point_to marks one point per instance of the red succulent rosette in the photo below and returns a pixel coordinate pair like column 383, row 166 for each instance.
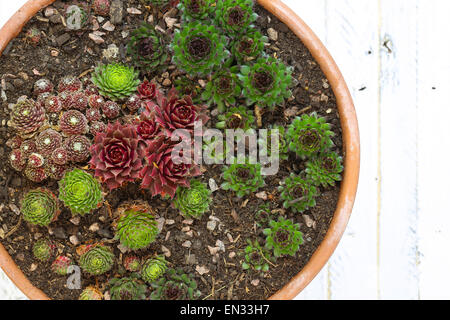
column 174, row 113
column 116, row 155
column 163, row 174
column 147, row 127
column 147, row 90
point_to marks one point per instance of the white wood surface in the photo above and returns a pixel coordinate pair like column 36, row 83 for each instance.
column 395, row 57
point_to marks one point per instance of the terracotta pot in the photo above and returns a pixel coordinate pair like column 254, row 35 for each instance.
column 350, row 134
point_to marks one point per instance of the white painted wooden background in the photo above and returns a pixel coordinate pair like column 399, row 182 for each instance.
column 395, row 56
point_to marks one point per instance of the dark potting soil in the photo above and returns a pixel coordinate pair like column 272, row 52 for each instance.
column 187, row 244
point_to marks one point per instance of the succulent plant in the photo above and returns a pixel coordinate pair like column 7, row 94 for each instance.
column 93, row 114
column 147, row 90
column 116, row 156
column 77, row 147
column 193, row 201
column 309, row 135
column 147, row 48
column 97, row 259
column 283, row 237
column 28, row 147
column 42, row 86
column 43, row 249
column 47, row 141
column 325, row 169
column 134, row 102
column 279, row 133
column 161, row 175
column 263, row 215
column 189, row 87
column 174, row 113
column 14, row 142
column 91, row 293
column 80, row 192
column 132, row 263
column 70, row 84
column 27, row 116
column 97, row 127
column 128, row 288
column 248, row 47
column 159, row 3
column 36, row 160
column 199, row 49
column 40, row 207
column 153, row 269
column 196, row 9
column 223, row 89
column 256, row 258
column 136, row 226
column 111, row 109
column 73, row 122
column 147, row 127
column 53, row 104
column 243, row 178
column 54, row 170
column 298, row 193
column 175, row 286
column 59, row 156
column 101, row 7
column 235, row 16
column 267, row 82
column 95, row 101
column 115, row 81
column 61, row 265
column 35, row 174
column 236, row 118
column 79, row 101
column 17, row 160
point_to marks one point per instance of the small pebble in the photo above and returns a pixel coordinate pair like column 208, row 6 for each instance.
column 108, row 26
column 232, row 255
column 262, row 195
column 273, row 34
column 33, row 267
column 220, row 245
column 255, row 282
column 213, row 185
column 94, row 227
column 97, row 39
column 170, row 221
column 213, row 250
column 74, row 240
column 187, row 244
column 134, row 11
column 166, row 82
column 201, row 270
column 211, row 225
column 122, row 248
column 161, row 222
column 75, row 220
column 166, row 251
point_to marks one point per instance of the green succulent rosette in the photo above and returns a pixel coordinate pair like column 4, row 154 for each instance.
column 325, row 169
column 97, row 260
column 248, row 47
column 193, row 201
column 115, row 81
column 43, row 249
column 153, row 269
column 189, row 87
column 40, row 207
column 223, row 89
column 278, row 132
column 256, row 258
column 127, row 288
column 309, row 135
column 159, row 3
column 298, row 193
column 263, row 215
column 215, row 150
column 283, row 237
column 195, row 10
column 147, row 48
column 199, row 49
column 91, row 293
column 235, row 16
column 267, row 82
column 236, row 118
column 136, row 229
column 80, row 192
column 176, row 285
column 243, row 178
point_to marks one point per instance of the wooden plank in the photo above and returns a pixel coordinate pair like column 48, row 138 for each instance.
column 398, row 271
column 352, row 35
column 433, row 144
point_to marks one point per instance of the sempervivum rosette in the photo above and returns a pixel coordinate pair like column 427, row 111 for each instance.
column 97, row 259
column 129, row 288
column 69, row 83
column 42, row 86
column 35, row 174
column 40, row 207
column 97, row 127
column 116, row 156
column 115, row 81
column 91, row 293
column 47, row 141
column 174, row 113
column 27, row 116
column 77, row 148
column 73, row 122
column 17, row 160
column 147, row 127
column 162, row 175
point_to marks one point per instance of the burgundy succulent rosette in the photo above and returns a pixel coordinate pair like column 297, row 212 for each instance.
column 174, row 113
column 161, row 174
column 147, row 127
column 116, row 155
column 147, row 90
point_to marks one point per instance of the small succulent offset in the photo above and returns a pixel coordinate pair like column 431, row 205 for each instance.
column 266, row 82
column 40, row 207
column 136, row 226
column 146, row 48
column 309, row 135
column 277, row 132
column 80, row 192
column 298, row 193
column 97, row 259
column 283, row 236
column 249, row 46
column 116, row 81
column 199, row 49
column 43, row 249
column 61, row 265
column 159, row 3
column 243, row 178
column 256, row 257
column 128, row 288
column 27, row 116
column 132, row 263
column 193, row 201
column 263, row 215
column 325, row 169
column 235, row 16
column 236, row 118
column 101, row 7
column 196, row 9
column 175, row 286
column 91, row 293
column 223, row 89
column 153, row 269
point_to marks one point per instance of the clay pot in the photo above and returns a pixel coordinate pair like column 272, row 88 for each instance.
column 350, row 135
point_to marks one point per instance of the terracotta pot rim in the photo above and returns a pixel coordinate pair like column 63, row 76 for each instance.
column 350, row 135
